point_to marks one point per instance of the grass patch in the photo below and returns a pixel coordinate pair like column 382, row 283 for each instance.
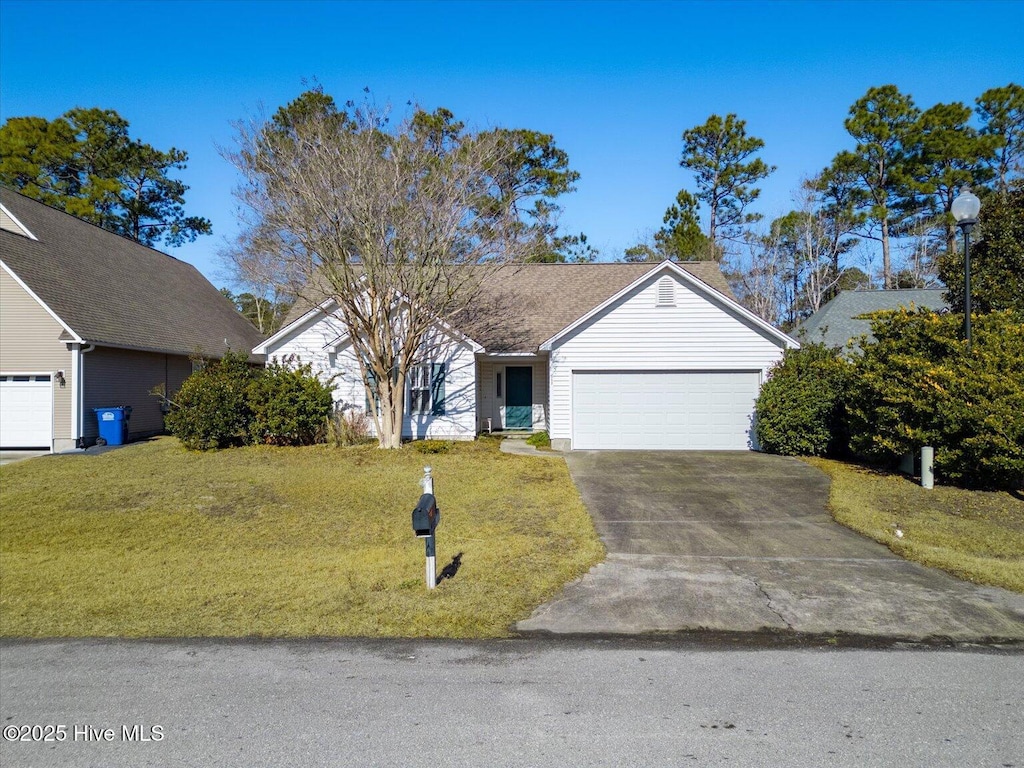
column 432, row 446
column 539, row 440
column 154, row 541
column 975, row 535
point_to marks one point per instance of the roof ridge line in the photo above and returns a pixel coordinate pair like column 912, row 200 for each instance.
column 93, row 224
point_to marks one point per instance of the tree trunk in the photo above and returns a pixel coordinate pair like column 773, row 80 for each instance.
column 393, row 436
column 392, row 406
column 260, row 324
column 886, row 262
column 711, row 229
column 796, row 288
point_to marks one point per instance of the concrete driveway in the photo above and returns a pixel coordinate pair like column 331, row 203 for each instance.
column 742, row 542
column 9, row 457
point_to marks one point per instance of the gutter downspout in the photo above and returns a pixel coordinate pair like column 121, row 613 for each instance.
column 78, row 395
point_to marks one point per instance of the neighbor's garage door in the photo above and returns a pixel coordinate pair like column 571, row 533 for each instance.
column 26, row 411
column 663, row 410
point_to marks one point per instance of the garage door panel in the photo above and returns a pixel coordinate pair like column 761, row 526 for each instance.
column 667, row 410
column 26, row 411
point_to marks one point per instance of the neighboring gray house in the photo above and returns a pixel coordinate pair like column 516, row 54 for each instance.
column 840, row 320
column 602, row 356
column 90, row 319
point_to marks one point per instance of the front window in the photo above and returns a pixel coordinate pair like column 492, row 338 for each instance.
column 419, row 389
column 426, row 389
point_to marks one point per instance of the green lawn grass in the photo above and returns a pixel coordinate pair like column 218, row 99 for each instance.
column 154, row 541
column 975, row 535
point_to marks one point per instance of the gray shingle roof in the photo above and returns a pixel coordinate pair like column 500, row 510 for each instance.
column 837, row 322
column 521, row 306
column 113, row 291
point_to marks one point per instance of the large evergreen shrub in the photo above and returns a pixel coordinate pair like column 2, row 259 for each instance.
column 997, row 258
column 230, row 402
column 800, row 411
column 917, row 385
column 289, row 406
column 211, row 410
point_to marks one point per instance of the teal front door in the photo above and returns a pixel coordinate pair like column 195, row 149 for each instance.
column 519, row 397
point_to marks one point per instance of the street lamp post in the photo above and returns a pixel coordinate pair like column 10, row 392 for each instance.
column 965, row 210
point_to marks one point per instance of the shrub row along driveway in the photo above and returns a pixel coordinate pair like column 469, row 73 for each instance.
column 743, row 542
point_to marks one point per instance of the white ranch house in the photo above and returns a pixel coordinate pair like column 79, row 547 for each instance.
column 601, row 356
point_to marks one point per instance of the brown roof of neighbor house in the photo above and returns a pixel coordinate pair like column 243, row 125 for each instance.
column 115, row 292
column 521, row 306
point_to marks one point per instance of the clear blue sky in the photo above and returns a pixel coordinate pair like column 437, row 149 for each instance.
column 615, row 83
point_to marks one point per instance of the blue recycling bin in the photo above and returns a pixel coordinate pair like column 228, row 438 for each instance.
column 113, row 423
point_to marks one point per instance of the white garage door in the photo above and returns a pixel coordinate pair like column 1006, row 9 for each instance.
column 663, row 410
column 26, row 411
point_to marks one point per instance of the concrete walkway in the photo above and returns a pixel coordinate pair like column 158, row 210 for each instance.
column 518, row 445
column 742, row 542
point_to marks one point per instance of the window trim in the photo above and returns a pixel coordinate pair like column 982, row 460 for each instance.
column 433, row 382
column 422, row 369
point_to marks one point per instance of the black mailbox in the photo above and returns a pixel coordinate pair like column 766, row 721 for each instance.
column 426, row 516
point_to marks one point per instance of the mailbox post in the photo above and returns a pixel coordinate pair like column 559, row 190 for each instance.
column 425, row 518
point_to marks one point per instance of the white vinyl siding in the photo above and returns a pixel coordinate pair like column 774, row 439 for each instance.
column 486, row 395
column 319, row 343
column 664, row 410
column 540, row 396
column 699, row 333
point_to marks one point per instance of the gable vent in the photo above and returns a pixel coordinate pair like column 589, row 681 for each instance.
column 666, row 292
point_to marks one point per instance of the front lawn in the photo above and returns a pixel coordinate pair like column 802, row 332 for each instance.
column 155, row 541
column 975, row 535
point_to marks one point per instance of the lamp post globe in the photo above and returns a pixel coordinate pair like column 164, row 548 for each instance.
column 965, row 209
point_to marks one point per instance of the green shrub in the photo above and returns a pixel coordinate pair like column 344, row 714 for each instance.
column 917, row 385
column 230, row 402
column 211, row 410
column 800, row 411
column 289, row 404
column 432, row 446
column 539, row 440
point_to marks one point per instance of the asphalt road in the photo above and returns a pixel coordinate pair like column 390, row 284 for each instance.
column 508, row 703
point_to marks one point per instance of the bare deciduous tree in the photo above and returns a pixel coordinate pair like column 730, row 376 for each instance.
column 759, row 284
column 921, row 245
column 390, row 228
column 264, row 303
column 824, row 229
column 796, row 266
